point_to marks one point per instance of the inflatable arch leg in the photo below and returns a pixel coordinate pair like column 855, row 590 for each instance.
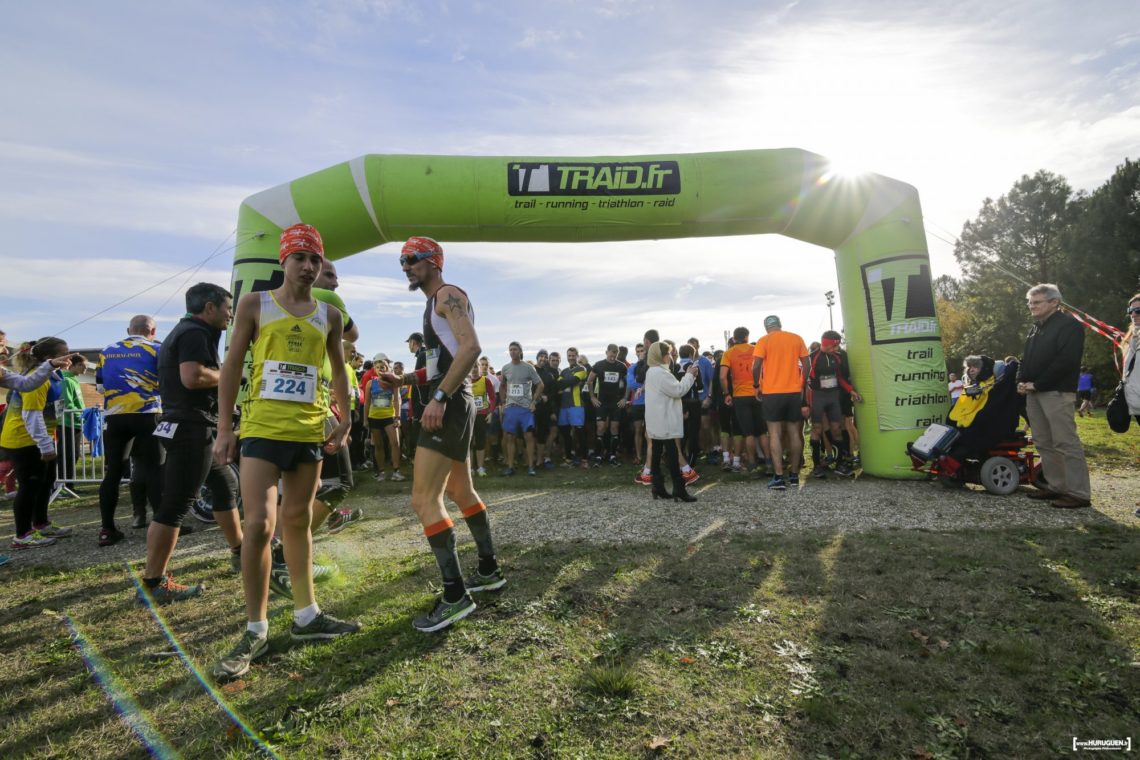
column 873, row 223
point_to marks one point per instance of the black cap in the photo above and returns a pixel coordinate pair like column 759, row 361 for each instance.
column 417, row 337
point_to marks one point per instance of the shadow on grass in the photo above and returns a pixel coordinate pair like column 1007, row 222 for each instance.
column 998, row 643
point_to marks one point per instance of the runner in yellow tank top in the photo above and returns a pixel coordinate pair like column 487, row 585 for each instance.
column 290, row 336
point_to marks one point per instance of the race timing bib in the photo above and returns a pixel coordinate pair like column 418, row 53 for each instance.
column 165, row 429
column 432, row 363
column 610, row 377
column 516, row 390
column 285, row 381
column 827, row 382
column 479, row 403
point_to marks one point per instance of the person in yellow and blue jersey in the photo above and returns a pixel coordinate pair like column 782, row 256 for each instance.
column 290, row 335
column 127, row 376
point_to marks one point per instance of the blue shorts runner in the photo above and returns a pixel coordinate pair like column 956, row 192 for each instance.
column 572, row 416
column 517, row 420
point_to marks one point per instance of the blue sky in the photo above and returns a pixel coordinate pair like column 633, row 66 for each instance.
column 131, row 132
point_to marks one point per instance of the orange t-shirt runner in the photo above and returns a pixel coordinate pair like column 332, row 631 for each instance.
column 738, row 359
column 781, row 352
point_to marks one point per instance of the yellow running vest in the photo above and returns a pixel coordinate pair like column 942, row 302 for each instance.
column 288, row 397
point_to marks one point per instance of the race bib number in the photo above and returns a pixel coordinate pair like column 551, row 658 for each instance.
column 382, row 401
column 479, row 403
column 516, row 390
column 285, row 381
column 432, row 363
column 59, row 406
column 165, row 429
column 827, row 382
column 610, row 377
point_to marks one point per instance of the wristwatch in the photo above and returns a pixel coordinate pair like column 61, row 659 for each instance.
column 440, row 396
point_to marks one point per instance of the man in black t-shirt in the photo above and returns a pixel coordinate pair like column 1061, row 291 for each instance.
column 188, row 372
column 609, row 400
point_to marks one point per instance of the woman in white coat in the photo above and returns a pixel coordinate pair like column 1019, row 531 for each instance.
column 664, row 419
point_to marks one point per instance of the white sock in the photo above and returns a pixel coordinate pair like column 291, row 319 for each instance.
column 736, row 461
column 261, row 628
column 687, row 468
column 645, row 471
column 306, row 615
column 727, row 456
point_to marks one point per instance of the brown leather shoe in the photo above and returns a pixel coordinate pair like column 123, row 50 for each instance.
column 1071, row 502
column 1042, row 494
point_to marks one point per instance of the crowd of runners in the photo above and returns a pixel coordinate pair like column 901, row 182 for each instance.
column 294, row 410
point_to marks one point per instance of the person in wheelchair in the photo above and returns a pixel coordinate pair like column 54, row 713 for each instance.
column 985, row 414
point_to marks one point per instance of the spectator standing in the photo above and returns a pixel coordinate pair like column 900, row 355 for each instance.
column 955, row 386
column 664, row 421
column 1047, row 377
column 29, row 436
column 128, row 378
column 1085, row 388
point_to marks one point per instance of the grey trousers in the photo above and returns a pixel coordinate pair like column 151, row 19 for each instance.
column 1051, row 415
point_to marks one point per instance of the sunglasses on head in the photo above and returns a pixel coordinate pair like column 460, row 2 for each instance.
column 412, row 258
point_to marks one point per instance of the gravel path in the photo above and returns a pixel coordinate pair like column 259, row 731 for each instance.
column 624, row 514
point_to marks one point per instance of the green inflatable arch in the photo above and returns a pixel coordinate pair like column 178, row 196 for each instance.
column 872, row 223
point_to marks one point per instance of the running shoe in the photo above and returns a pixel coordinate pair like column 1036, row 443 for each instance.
column 819, row 473
column 549, row 465
column 33, row 540
column 531, row 471
column 332, row 494
column 444, row 614
column 235, row 562
column 736, row 467
column 476, row 581
column 202, row 511
column 844, row 470
column 614, row 461
column 323, row 628
column 726, row 465
column 4, row 559
column 279, row 581
column 508, row 472
column 53, row 531
column 575, row 461
column 185, row 529
column 109, row 536
column 777, row 483
column 481, row 472
column 643, row 479
column 342, row 518
column 397, row 476
column 378, row 477
column 168, row 591
column 139, row 522
column 278, row 553
column 236, row 664
column 690, row 477
column 794, row 480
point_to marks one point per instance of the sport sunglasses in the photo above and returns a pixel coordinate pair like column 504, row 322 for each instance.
column 412, row 258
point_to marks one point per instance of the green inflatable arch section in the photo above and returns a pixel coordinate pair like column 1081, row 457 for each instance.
column 872, row 223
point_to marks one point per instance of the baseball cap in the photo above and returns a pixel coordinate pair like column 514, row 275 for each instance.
column 380, row 357
column 300, row 238
column 771, row 321
column 417, row 337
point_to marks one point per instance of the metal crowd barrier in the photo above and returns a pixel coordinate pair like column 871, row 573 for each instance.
column 79, row 460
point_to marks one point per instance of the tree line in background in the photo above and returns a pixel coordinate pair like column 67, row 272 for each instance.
column 1041, row 231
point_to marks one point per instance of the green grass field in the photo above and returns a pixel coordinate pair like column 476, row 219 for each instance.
column 890, row 643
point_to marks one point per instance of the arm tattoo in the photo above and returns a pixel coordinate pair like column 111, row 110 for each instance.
column 454, row 303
